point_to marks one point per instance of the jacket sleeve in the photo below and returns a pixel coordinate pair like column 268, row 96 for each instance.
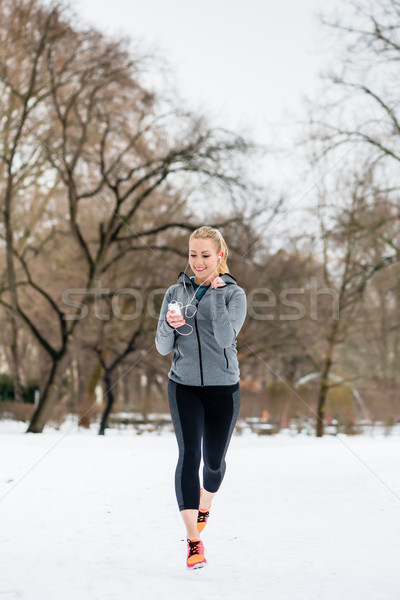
column 228, row 318
column 165, row 336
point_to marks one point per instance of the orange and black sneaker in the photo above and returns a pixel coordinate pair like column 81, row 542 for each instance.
column 202, row 517
column 195, row 558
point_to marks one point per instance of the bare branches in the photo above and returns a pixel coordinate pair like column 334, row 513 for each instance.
column 89, row 157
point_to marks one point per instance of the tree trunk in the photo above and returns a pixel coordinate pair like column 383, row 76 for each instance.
column 13, row 290
column 90, row 395
column 13, row 361
column 323, row 392
column 47, row 399
column 144, row 396
column 109, row 401
column 324, row 386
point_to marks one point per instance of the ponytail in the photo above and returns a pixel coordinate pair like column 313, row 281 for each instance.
column 223, row 267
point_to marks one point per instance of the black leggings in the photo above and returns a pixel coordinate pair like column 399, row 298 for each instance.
column 209, row 412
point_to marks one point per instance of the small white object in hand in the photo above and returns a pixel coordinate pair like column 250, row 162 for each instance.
column 174, row 308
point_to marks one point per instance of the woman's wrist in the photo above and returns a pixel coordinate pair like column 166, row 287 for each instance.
column 170, row 326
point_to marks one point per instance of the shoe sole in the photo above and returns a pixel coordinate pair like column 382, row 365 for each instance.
column 198, row 566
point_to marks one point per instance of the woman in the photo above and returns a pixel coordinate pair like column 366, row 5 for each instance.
column 203, row 386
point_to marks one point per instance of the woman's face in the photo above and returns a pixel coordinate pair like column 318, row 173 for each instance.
column 203, row 260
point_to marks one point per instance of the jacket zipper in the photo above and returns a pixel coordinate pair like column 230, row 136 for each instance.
column 198, row 338
column 198, row 341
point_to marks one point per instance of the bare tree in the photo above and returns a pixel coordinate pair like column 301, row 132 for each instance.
column 23, row 90
column 82, row 129
column 359, row 117
column 355, row 134
column 352, row 256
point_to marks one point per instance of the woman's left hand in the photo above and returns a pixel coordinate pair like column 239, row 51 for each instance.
column 217, row 282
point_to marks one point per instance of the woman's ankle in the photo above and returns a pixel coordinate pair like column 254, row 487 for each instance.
column 206, row 499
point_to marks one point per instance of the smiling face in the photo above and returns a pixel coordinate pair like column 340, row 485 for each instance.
column 203, row 260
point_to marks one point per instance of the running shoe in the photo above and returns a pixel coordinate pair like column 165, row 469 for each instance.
column 195, row 557
column 202, row 517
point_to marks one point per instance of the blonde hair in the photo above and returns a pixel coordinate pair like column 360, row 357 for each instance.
column 206, row 232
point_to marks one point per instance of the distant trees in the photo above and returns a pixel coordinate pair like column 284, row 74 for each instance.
column 96, row 173
column 361, row 109
column 353, row 228
column 102, row 179
column 359, row 121
column 350, row 232
column 355, row 135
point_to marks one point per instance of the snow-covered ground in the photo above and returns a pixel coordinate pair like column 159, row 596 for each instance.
column 85, row 517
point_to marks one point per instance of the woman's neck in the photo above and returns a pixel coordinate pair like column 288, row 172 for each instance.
column 202, row 283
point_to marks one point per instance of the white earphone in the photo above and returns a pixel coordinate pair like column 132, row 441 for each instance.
column 177, row 307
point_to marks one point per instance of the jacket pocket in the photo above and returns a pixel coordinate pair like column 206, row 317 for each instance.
column 226, row 358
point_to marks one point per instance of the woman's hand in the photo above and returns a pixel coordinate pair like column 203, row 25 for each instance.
column 174, row 320
column 217, row 282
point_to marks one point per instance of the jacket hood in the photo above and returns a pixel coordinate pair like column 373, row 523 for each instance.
column 226, row 278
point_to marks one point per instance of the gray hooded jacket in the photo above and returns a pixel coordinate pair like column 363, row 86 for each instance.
column 207, row 356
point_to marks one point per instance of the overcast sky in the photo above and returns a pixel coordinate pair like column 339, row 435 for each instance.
column 247, row 62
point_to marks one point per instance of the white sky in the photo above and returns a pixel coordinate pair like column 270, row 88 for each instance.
column 247, row 62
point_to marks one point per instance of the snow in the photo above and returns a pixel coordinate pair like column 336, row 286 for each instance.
column 95, row 517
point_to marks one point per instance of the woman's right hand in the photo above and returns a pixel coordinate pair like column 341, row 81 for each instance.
column 174, row 320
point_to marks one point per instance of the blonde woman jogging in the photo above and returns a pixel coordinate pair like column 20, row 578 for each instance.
column 200, row 319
